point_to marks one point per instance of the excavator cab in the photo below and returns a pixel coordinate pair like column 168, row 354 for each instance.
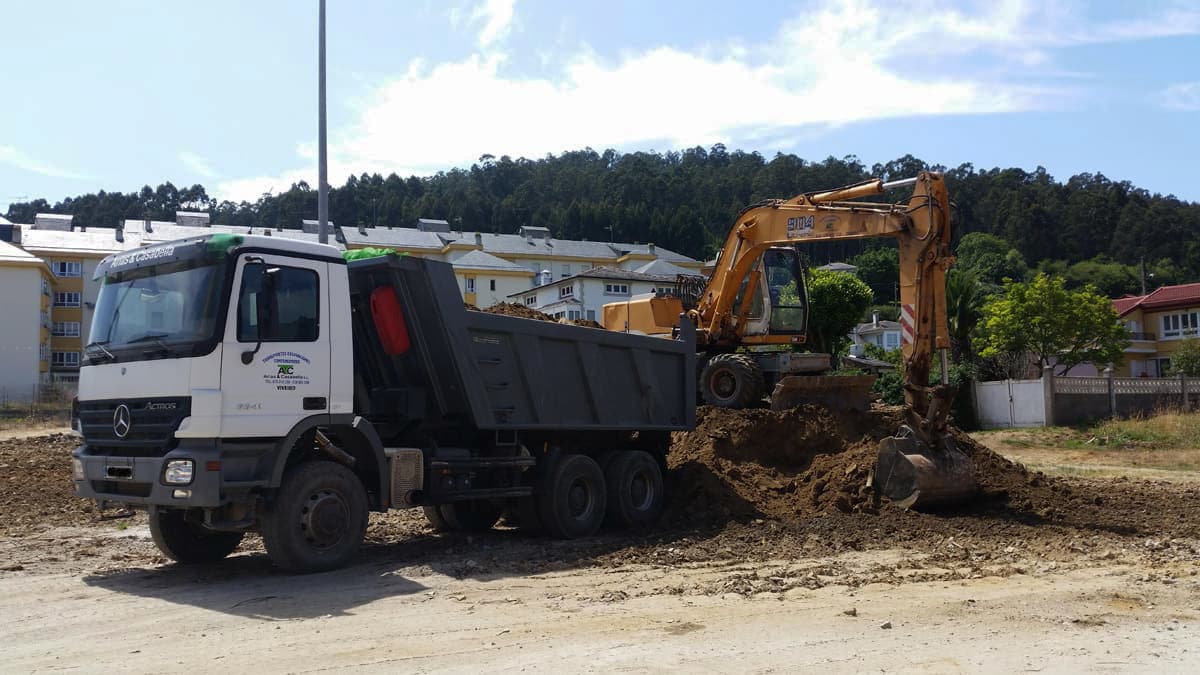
column 779, row 301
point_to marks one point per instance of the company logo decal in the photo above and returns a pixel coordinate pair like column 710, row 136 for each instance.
column 799, row 226
column 285, row 370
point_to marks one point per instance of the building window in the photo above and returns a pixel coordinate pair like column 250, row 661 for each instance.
column 891, row 341
column 470, row 284
column 67, row 268
column 566, row 271
column 591, row 315
column 45, row 286
column 573, row 314
column 66, row 299
column 530, row 300
column 1185, row 324
column 64, row 359
column 566, row 291
column 665, row 290
column 65, row 329
column 492, row 284
column 616, row 289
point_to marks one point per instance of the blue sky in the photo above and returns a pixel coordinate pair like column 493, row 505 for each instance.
column 120, row 94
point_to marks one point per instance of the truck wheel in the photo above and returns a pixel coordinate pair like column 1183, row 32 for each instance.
column 187, row 543
column 436, row 520
column 732, row 381
column 318, row 518
column 635, row 489
column 572, row 505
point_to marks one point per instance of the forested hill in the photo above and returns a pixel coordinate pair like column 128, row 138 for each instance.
column 687, row 200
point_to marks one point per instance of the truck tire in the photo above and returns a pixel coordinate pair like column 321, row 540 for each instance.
column 635, row 489
column 317, row 520
column 187, row 543
column 573, row 502
column 436, row 520
column 732, row 381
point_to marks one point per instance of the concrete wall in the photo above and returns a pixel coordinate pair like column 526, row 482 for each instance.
column 20, row 332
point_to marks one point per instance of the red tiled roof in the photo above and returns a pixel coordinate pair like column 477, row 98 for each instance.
column 1162, row 298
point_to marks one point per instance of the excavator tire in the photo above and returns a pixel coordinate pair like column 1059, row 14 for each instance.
column 732, row 381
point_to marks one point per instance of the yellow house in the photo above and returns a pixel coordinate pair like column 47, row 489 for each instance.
column 25, row 331
column 1158, row 322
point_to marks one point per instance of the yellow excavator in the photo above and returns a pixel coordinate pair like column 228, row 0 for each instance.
column 755, row 301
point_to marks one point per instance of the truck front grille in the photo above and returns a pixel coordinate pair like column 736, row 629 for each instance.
column 149, row 427
column 122, row 488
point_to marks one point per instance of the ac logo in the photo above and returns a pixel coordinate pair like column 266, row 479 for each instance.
column 285, row 369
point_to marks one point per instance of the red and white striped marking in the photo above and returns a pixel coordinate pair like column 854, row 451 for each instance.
column 906, row 324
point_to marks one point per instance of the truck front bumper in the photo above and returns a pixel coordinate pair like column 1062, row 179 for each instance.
column 141, row 480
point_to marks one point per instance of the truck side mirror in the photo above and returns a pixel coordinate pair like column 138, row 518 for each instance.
column 262, row 304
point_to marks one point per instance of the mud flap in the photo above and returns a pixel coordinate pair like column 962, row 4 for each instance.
column 915, row 476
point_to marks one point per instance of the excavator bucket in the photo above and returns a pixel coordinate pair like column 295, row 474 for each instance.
column 851, row 392
column 919, row 475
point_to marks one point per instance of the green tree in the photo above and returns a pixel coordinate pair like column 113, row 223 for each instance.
column 836, row 301
column 1186, row 359
column 1056, row 325
column 965, row 299
column 880, row 268
column 991, row 258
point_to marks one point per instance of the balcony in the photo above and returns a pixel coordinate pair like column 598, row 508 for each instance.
column 1144, row 337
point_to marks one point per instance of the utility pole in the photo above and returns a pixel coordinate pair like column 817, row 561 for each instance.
column 322, row 157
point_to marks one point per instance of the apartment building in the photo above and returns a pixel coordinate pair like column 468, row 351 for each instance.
column 25, row 331
column 584, row 295
column 541, row 257
column 1158, row 322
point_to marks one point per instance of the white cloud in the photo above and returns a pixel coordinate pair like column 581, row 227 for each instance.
column 1184, row 97
column 198, row 164
column 14, row 157
column 843, row 62
column 496, row 17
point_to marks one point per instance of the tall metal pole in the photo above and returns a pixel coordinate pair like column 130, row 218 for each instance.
column 322, row 156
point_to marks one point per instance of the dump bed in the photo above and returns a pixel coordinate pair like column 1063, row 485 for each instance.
column 498, row 372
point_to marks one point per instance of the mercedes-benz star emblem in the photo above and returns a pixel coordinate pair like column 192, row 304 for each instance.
column 122, row 421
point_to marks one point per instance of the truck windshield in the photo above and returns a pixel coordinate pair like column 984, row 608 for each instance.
column 156, row 311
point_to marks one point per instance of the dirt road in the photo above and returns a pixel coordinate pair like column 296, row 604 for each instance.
column 399, row 613
column 771, row 565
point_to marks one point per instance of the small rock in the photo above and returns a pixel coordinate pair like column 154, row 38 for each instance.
column 851, row 612
column 886, row 625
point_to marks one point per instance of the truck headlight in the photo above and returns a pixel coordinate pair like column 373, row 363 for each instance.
column 77, row 469
column 179, row 472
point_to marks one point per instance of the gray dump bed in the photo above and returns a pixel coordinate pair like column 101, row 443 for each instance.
column 502, row 372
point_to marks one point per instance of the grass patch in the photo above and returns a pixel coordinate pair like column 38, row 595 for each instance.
column 1166, row 431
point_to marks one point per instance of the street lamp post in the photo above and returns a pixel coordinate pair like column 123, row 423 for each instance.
column 322, row 157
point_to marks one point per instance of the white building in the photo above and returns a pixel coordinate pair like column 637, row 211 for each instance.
column 25, row 331
column 583, row 295
column 486, row 280
column 882, row 334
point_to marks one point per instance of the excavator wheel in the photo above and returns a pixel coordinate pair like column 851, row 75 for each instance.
column 732, row 381
column 915, row 475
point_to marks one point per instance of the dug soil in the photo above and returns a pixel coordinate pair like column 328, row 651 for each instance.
column 744, row 485
column 513, row 309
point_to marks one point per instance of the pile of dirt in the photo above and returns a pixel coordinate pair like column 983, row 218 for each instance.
column 35, row 485
column 514, row 309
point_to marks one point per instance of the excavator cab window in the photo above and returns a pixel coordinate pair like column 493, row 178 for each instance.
column 785, row 286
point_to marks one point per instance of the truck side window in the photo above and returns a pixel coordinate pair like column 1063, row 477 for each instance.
column 294, row 306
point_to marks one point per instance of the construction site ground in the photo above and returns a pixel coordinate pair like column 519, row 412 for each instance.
column 772, row 556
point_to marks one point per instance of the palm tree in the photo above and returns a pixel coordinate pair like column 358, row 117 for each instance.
column 964, row 307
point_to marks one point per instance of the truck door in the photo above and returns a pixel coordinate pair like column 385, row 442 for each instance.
column 275, row 359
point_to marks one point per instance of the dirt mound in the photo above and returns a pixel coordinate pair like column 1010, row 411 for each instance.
column 795, row 464
column 513, row 309
column 35, row 485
